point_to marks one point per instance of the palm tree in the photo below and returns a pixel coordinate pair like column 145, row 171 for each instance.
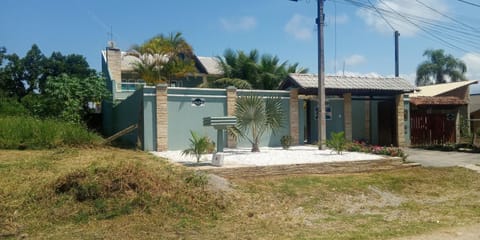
column 272, row 72
column 438, row 67
column 262, row 72
column 226, row 82
column 198, row 145
column 164, row 58
column 255, row 116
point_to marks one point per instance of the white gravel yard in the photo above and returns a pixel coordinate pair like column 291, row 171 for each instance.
column 242, row 157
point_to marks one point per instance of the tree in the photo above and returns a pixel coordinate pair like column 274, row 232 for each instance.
column 226, row 82
column 74, row 65
column 3, row 50
column 68, row 97
column 255, row 116
column 198, row 145
column 164, row 58
column 438, row 66
column 60, row 86
column 11, row 77
column 34, row 64
column 21, row 76
column 262, row 72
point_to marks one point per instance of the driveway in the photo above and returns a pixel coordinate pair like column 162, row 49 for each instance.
column 430, row 158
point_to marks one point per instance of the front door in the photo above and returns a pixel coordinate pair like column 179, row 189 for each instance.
column 386, row 123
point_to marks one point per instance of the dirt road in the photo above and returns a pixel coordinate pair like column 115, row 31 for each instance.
column 471, row 232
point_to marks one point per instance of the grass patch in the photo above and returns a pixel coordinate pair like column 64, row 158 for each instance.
column 67, row 193
column 51, row 193
column 22, row 132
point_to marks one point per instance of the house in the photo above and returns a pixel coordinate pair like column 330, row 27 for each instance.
column 440, row 113
column 119, row 69
column 475, row 112
column 371, row 109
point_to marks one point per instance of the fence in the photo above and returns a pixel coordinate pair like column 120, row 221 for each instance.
column 432, row 128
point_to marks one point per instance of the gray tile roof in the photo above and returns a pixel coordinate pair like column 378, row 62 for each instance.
column 211, row 65
column 353, row 83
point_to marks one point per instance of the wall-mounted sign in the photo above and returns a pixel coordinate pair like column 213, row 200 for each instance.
column 198, row 102
column 450, row 116
column 328, row 112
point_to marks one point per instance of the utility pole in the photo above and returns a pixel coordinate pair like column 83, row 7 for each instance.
column 397, row 74
column 322, row 135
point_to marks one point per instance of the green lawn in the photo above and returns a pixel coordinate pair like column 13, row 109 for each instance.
column 120, row 194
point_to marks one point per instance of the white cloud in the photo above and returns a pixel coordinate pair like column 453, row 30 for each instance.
column 299, row 27
column 406, row 8
column 472, row 60
column 355, row 60
column 342, row 19
column 245, row 23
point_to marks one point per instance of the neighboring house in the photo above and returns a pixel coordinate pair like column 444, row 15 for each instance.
column 371, row 109
column 440, row 113
column 475, row 112
column 208, row 68
column 122, row 80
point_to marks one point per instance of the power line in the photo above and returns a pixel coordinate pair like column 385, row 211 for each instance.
column 444, row 15
column 335, row 31
column 470, row 3
column 381, row 15
column 457, row 34
column 421, row 28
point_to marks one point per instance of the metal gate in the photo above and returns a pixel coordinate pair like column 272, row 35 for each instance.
column 431, row 129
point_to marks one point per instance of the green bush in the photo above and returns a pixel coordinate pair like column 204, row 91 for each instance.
column 337, row 142
column 11, row 107
column 198, row 145
column 27, row 132
column 286, row 141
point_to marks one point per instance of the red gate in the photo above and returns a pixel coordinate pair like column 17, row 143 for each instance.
column 432, row 129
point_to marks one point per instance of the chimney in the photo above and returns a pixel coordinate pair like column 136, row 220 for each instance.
column 114, row 62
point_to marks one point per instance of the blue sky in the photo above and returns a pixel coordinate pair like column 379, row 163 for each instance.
column 363, row 43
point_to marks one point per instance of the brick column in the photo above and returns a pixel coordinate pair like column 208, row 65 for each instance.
column 114, row 63
column 162, row 118
column 294, row 131
column 400, row 122
column 347, row 115
column 367, row 121
column 458, row 126
column 231, row 101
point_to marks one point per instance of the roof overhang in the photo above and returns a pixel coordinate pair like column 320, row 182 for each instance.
column 438, row 101
column 357, row 86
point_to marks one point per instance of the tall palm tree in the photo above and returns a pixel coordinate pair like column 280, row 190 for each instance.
column 438, row 66
column 262, row 72
column 164, row 58
column 255, row 116
column 226, row 82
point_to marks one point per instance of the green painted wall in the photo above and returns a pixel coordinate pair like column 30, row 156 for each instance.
column 301, row 120
column 358, row 120
column 139, row 108
column 374, row 122
column 183, row 117
column 313, row 122
column 127, row 113
column 149, row 129
column 336, row 122
column 268, row 138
